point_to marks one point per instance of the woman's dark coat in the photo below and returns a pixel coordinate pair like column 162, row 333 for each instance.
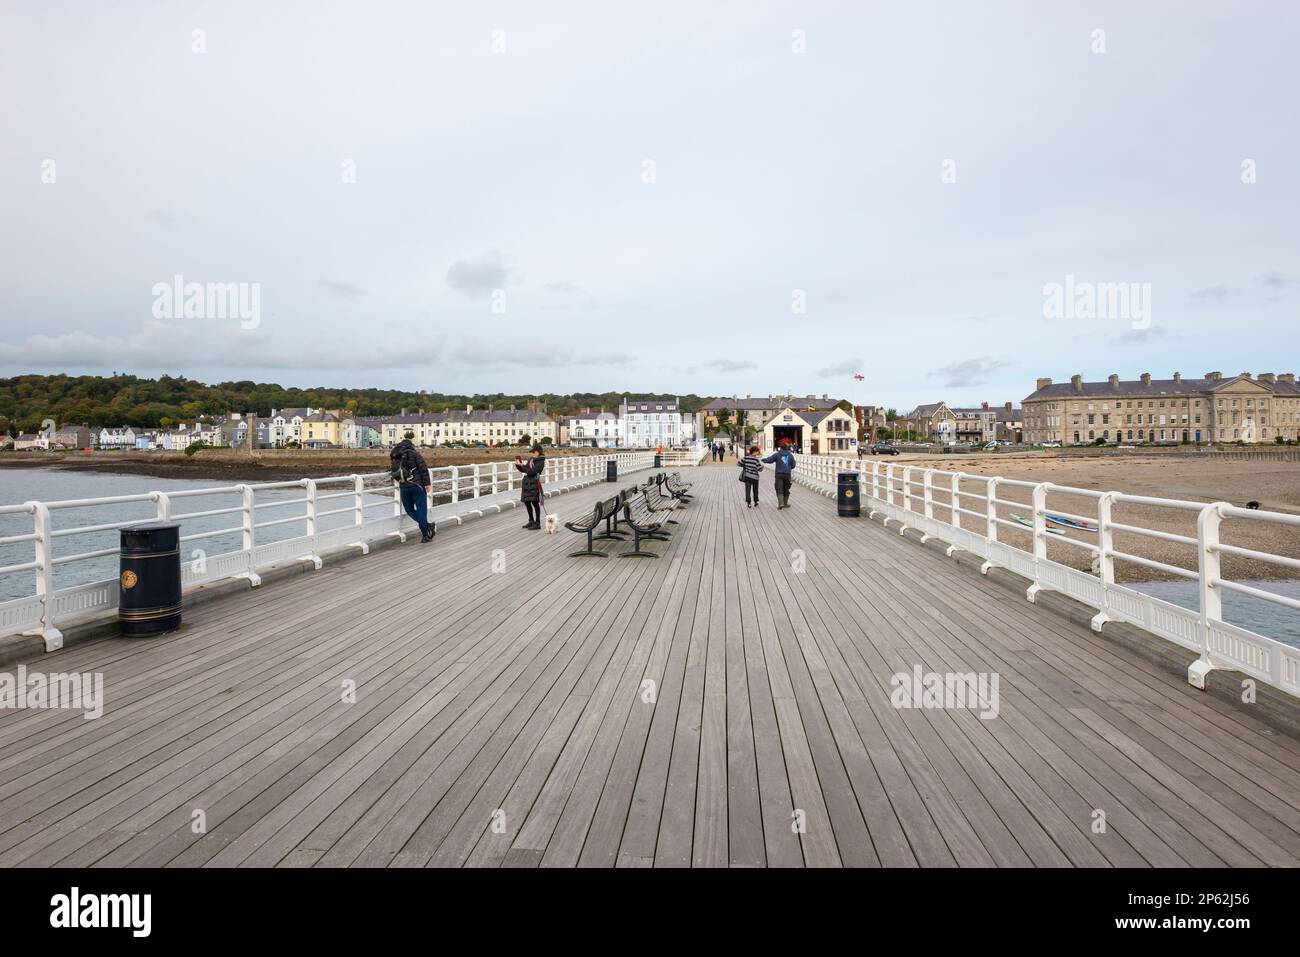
column 532, row 470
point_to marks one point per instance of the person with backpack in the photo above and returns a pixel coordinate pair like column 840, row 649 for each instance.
column 409, row 471
column 750, row 466
column 785, row 465
column 531, row 493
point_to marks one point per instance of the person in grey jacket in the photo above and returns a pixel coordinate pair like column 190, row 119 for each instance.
column 785, row 464
column 750, row 467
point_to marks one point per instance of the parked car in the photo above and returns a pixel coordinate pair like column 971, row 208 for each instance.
column 883, row 448
column 991, row 447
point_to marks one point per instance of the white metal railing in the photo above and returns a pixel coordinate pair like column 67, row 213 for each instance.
column 691, row 456
column 273, row 522
column 935, row 501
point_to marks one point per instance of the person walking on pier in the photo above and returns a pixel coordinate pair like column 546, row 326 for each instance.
column 411, row 473
column 785, row 464
column 531, row 494
column 750, row 467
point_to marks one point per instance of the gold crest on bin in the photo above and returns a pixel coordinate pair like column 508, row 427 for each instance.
column 129, row 579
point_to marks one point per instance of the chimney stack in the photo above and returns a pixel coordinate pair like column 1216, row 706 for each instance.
column 984, row 406
column 1113, row 379
column 1287, row 377
column 1146, row 378
column 1267, row 377
column 1008, row 406
column 1214, row 376
column 1042, row 384
column 1076, row 380
column 469, row 409
column 1178, row 377
column 1245, row 375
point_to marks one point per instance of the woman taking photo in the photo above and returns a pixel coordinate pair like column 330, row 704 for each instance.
column 531, row 495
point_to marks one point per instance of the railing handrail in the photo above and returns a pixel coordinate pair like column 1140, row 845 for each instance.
column 456, row 492
column 1219, row 644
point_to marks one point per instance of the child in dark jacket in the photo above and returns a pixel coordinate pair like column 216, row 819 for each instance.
column 750, row 466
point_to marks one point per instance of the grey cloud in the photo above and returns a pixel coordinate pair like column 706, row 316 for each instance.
column 968, row 371
column 1216, row 293
column 1142, row 335
column 341, row 290
column 847, row 367
column 530, row 355
column 1274, row 280
column 479, row 276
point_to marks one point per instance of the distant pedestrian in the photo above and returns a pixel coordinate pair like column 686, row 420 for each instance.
column 785, row 465
column 531, row 494
column 750, row 466
column 409, row 471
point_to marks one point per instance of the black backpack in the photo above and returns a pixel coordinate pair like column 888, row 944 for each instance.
column 401, row 466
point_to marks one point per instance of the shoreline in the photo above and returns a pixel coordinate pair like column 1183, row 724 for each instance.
column 264, row 465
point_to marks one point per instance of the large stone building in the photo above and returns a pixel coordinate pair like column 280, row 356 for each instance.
column 1209, row 409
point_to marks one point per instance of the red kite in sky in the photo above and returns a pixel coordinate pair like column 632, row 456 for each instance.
column 858, row 377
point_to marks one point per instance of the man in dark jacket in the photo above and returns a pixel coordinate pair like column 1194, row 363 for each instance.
column 412, row 476
column 785, row 465
column 531, row 492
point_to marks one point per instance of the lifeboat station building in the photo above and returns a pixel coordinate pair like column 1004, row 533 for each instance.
column 813, row 433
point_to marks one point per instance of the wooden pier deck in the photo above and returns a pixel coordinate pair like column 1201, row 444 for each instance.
column 507, row 718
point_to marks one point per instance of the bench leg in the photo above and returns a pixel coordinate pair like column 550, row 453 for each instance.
column 636, row 549
column 591, row 548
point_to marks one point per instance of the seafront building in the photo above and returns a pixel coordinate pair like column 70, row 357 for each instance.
column 651, row 423
column 594, row 429
column 757, row 411
column 1241, row 408
column 473, row 426
column 817, row 433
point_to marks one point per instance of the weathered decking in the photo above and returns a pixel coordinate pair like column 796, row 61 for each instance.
column 526, row 691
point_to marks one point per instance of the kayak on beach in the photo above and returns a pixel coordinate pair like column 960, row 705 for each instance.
column 1068, row 523
column 1029, row 524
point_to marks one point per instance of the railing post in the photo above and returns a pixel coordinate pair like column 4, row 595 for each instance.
column 45, row 575
column 311, row 556
column 889, row 483
column 164, row 503
column 455, row 484
column 476, row 480
column 927, row 489
column 1105, row 558
column 907, row 488
column 358, row 501
column 1211, row 598
column 875, row 480
column 990, row 519
column 1038, row 544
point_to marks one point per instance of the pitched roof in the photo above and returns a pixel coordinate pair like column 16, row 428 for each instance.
column 764, row 402
column 1135, row 388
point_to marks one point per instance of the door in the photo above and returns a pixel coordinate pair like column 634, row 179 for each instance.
column 814, row 446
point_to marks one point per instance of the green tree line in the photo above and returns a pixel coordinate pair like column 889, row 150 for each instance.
column 28, row 400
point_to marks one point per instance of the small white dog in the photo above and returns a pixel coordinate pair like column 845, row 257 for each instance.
column 552, row 522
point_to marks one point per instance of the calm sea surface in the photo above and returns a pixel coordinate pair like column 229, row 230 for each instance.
column 49, row 485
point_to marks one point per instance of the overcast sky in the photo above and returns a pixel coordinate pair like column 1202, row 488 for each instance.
column 650, row 192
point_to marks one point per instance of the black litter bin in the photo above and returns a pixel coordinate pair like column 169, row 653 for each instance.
column 658, row 461
column 611, row 471
column 149, row 586
column 847, row 497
